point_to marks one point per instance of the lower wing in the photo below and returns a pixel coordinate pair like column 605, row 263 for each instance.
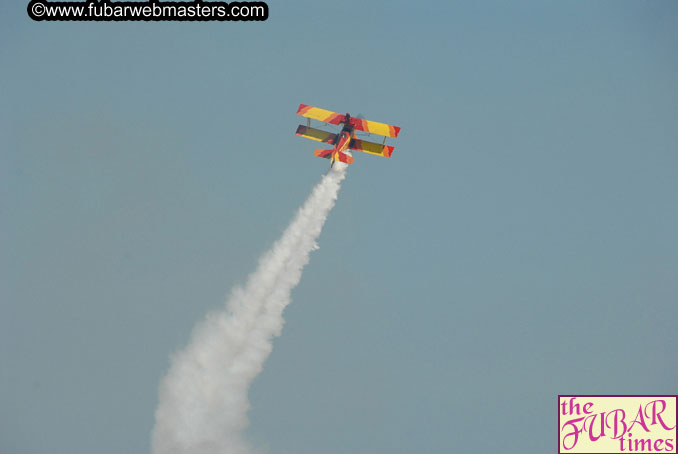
column 371, row 147
column 316, row 134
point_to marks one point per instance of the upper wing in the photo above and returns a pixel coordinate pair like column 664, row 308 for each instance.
column 316, row 134
column 319, row 114
column 371, row 147
column 378, row 128
column 334, row 118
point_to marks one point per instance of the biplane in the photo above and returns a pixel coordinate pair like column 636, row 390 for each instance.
column 346, row 139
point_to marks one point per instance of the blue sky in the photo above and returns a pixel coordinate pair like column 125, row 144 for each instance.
column 520, row 243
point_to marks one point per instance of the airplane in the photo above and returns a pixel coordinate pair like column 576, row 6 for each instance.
column 345, row 140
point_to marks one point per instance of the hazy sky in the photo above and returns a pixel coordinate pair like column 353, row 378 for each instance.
column 521, row 242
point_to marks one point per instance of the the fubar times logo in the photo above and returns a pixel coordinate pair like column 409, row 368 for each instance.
column 590, row 424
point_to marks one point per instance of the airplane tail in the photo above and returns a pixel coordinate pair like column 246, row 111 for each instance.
column 322, row 153
column 344, row 157
column 340, row 156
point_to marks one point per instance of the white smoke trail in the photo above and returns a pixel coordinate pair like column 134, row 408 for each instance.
column 203, row 398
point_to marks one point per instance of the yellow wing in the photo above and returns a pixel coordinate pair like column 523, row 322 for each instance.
column 319, row 114
column 371, row 148
column 378, row 128
column 316, row 134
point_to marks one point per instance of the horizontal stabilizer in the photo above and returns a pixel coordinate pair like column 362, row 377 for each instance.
column 371, row 148
column 321, row 153
column 344, row 157
column 316, row 134
column 319, row 114
column 340, row 156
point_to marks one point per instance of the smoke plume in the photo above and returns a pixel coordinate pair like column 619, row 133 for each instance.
column 203, row 398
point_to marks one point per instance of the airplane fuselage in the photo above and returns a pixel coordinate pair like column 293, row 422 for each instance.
column 342, row 143
column 343, row 140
